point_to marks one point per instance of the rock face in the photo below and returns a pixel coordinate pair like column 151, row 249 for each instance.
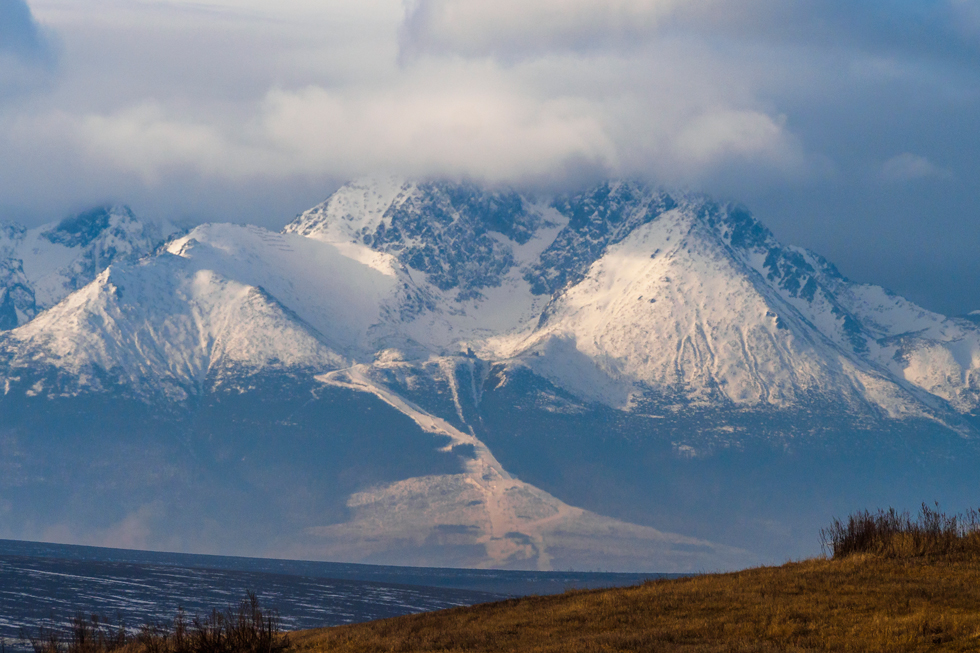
column 436, row 373
column 40, row 267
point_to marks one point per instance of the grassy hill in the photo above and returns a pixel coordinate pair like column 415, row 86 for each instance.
column 861, row 603
column 893, row 584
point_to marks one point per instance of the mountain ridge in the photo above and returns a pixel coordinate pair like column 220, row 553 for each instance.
column 39, row 267
column 669, row 339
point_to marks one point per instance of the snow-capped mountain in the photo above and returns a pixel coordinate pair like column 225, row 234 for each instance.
column 438, row 373
column 39, row 267
column 672, row 298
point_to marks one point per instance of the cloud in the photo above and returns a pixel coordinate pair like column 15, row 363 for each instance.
column 907, row 167
column 135, row 531
column 477, row 27
column 516, row 29
column 139, row 529
column 250, row 111
column 446, row 129
column 488, row 129
column 682, row 91
column 966, row 17
column 726, row 136
column 143, row 139
column 671, row 95
column 445, row 118
column 26, row 55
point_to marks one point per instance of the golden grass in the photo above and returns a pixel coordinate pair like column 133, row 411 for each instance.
column 858, row 603
column 895, row 534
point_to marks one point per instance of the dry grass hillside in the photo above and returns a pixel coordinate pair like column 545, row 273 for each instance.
column 892, row 584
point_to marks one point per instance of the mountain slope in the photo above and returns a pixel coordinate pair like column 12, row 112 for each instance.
column 484, row 517
column 572, row 379
column 735, row 315
column 672, row 316
column 40, row 267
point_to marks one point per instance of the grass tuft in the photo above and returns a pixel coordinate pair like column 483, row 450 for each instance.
column 894, row 534
column 246, row 629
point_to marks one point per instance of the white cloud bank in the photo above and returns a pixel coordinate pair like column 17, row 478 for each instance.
column 172, row 102
column 315, row 132
column 486, row 129
column 736, row 135
column 445, row 129
column 315, row 104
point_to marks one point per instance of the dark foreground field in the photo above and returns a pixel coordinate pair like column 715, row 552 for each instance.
column 860, row 603
column 892, row 584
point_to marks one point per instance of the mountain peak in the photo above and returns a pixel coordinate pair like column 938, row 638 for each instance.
column 81, row 229
column 622, row 341
column 660, row 294
column 41, row 266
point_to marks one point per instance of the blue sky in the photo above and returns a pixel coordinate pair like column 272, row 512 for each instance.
column 848, row 127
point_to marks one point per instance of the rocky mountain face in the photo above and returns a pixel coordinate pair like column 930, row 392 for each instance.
column 438, row 373
column 40, row 267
